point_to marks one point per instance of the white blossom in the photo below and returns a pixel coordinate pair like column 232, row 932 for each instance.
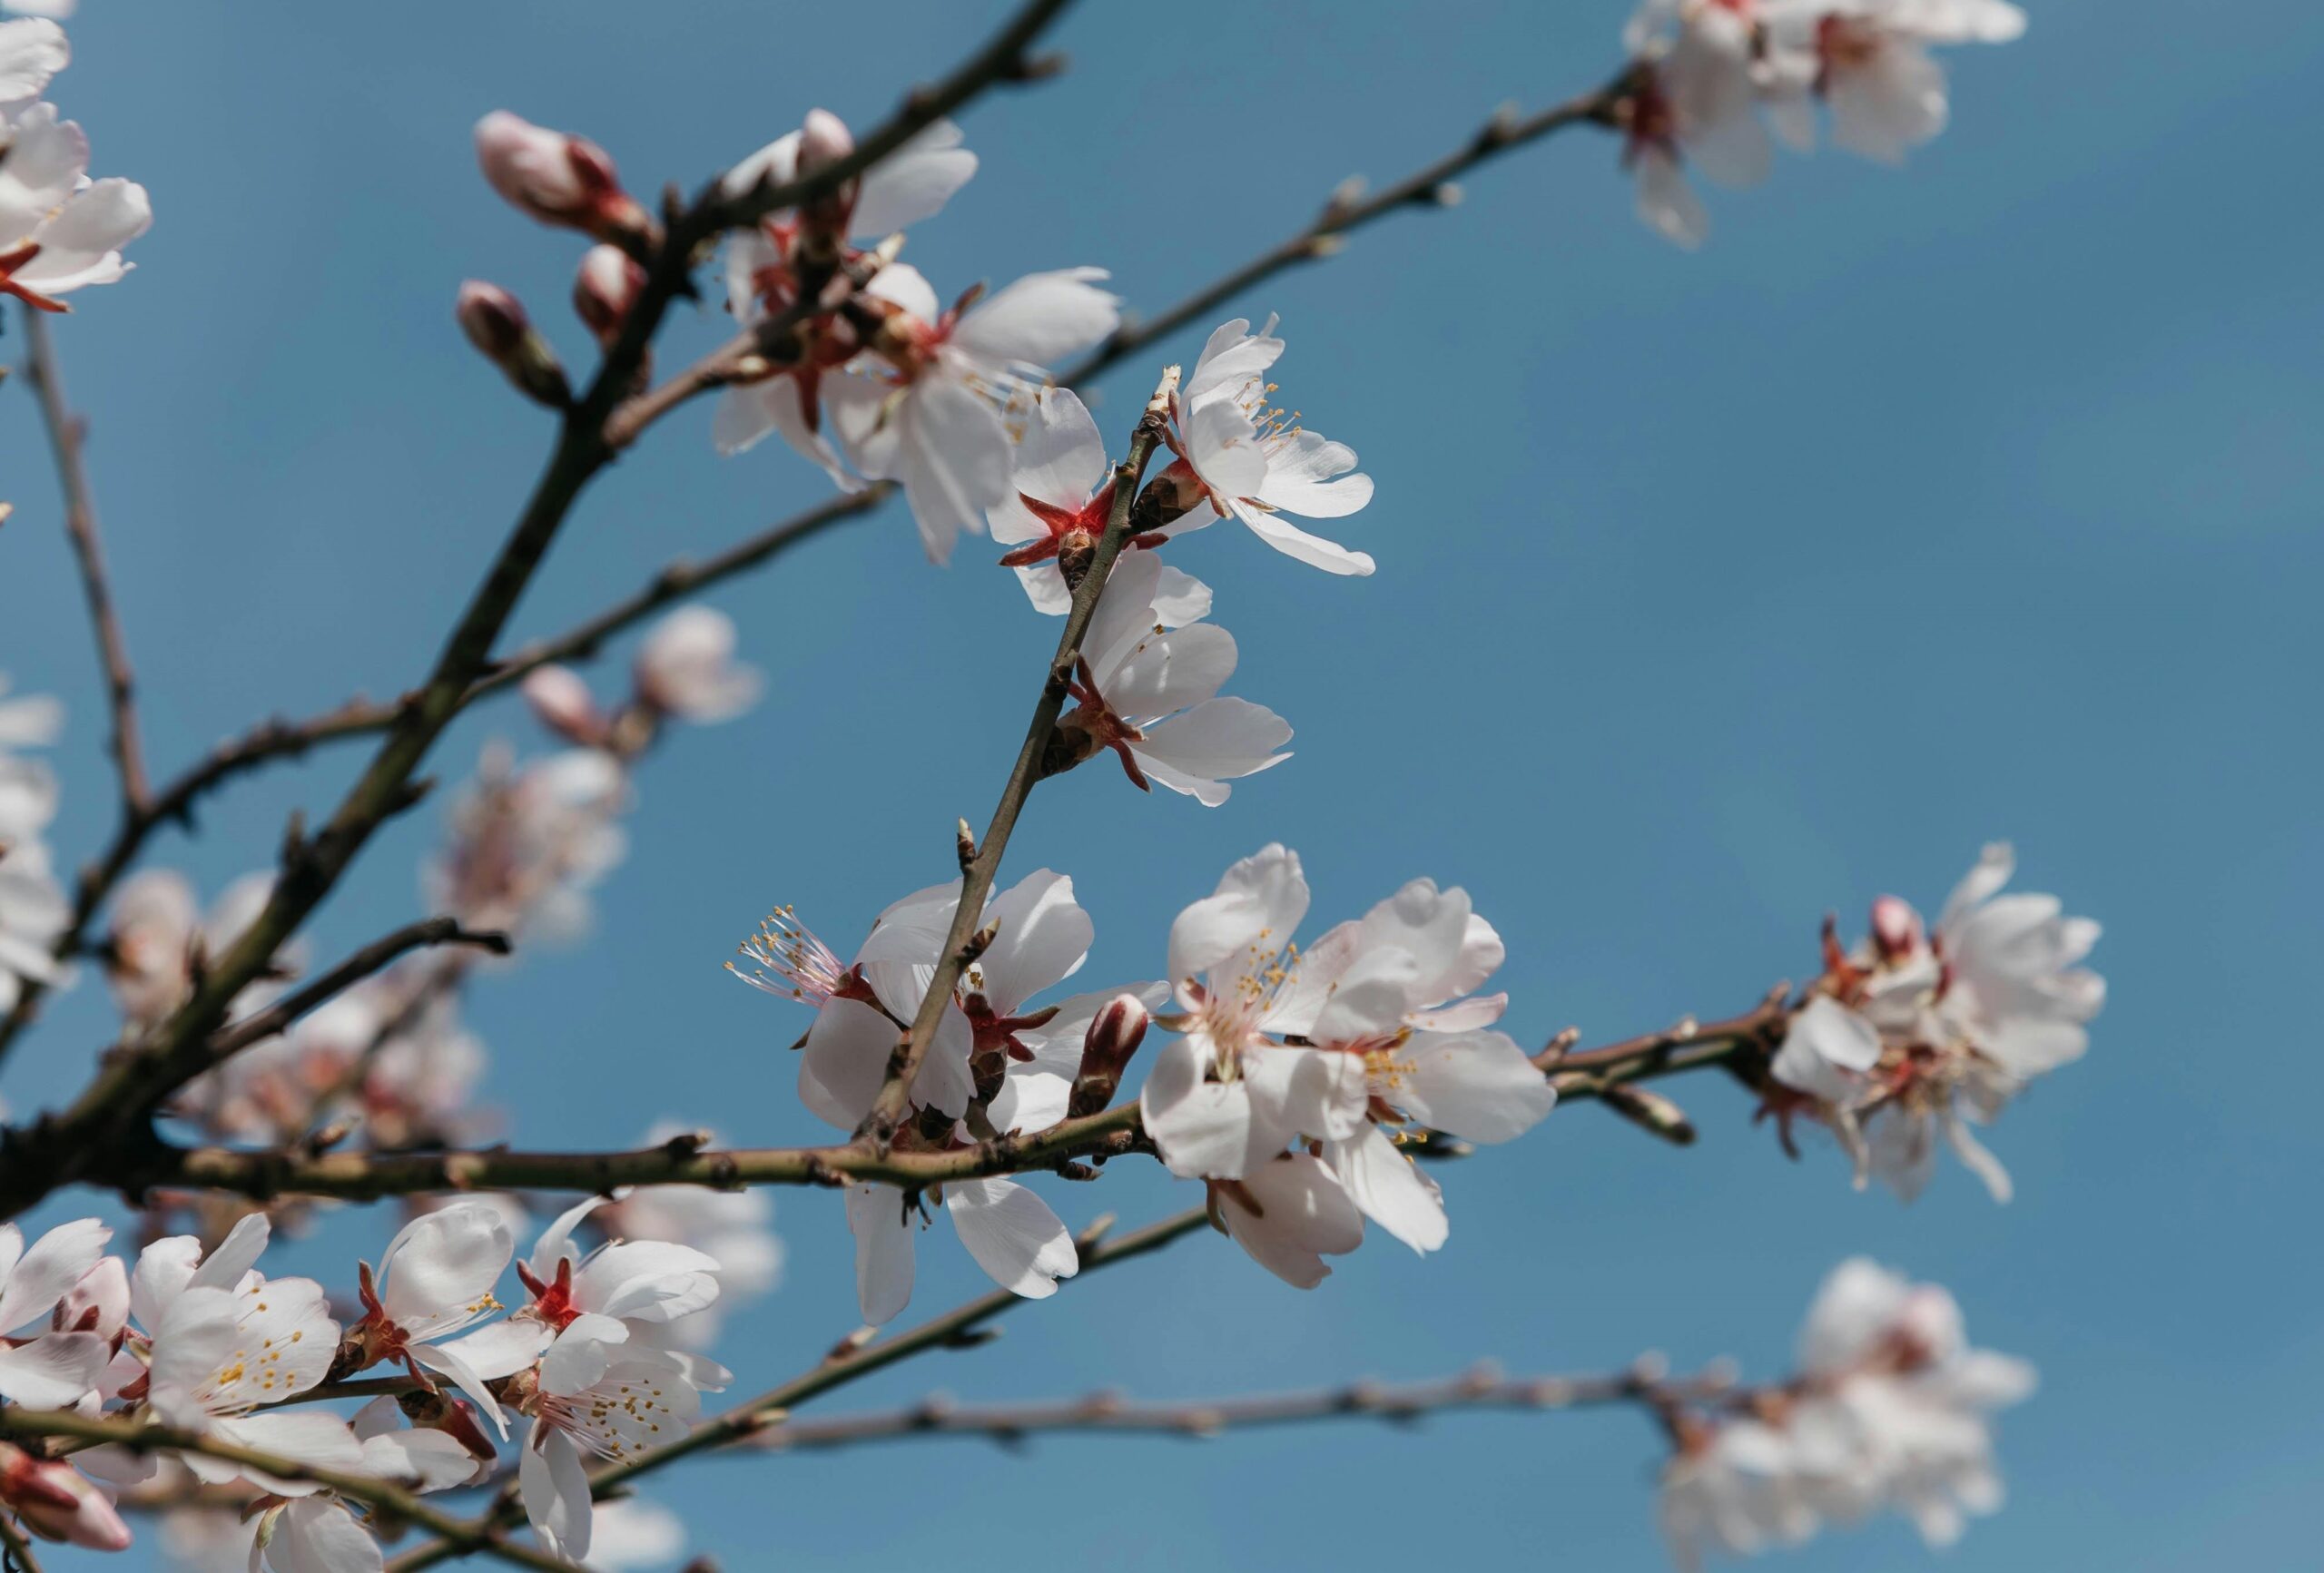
column 59, row 230
column 1870, row 61
column 1253, row 461
column 1148, row 684
column 686, row 668
column 50, row 1370
column 526, row 844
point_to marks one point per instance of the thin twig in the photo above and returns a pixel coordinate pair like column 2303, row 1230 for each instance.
column 20, row 1559
column 378, row 954
column 888, row 1110
column 66, row 431
column 1109, row 1413
column 754, row 1416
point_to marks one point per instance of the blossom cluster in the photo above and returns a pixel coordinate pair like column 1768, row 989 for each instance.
column 1921, row 1031
column 1889, row 1412
column 1718, row 77
column 596, row 1356
column 34, row 909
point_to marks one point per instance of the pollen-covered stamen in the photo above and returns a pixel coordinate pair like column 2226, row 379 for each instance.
column 793, row 964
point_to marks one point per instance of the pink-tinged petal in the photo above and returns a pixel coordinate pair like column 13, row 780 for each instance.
column 846, row 1062
column 1012, row 1234
column 902, row 284
column 913, row 182
column 953, row 461
column 47, row 1272
column 1995, row 864
column 1389, row 1188
column 1061, row 457
column 1306, row 1092
column 775, row 164
column 1300, row 545
column 1304, row 1215
column 1369, row 999
column 54, row 1369
column 1259, row 902
column 883, row 1229
column 32, row 52
column 555, row 1485
column 1827, row 1047
column 1042, row 938
column 1479, row 1085
column 1202, row 1128
column 1040, row 318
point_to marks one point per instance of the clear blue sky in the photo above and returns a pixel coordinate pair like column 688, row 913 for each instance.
column 1978, row 500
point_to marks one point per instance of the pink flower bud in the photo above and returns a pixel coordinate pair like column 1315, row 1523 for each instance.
column 561, row 180
column 1107, row 1049
column 496, row 324
column 56, row 1503
column 1895, row 928
column 561, row 702
column 823, row 140
column 604, row 289
column 98, row 1303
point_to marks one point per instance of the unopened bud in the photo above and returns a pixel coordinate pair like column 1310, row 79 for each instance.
column 561, row 702
column 495, row 323
column 567, row 181
column 1895, row 928
column 604, row 289
column 1076, row 551
column 823, row 140
column 1107, row 1048
column 57, row 1502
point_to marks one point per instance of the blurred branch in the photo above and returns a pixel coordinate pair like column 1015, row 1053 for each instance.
column 850, row 1363
column 373, row 956
column 1482, row 1388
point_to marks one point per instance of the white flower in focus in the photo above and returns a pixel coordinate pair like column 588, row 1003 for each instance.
column 227, row 1339
column 435, row 1279
column 1870, row 61
column 1254, row 463
column 1149, row 688
column 1288, row 1215
column 1063, row 486
column 1228, row 1097
column 995, row 1065
column 686, row 668
column 1917, row 1034
column 32, row 53
column 931, row 406
column 50, row 1370
column 733, row 1228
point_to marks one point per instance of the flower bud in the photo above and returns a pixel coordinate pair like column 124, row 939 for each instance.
column 562, row 702
column 823, row 140
column 57, row 1502
column 98, row 1303
column 1107, row 1048
column 604, row 289
column 561, row 180
column 495, row 323
column 1895, row 928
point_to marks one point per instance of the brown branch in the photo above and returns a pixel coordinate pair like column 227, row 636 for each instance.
column 126, row 1090
column 66, row 431
column 373, row 956
column 890, row 1110
column 21, row 1557
column 752, row 1417
column 1108, row 1412
column 383, row 1495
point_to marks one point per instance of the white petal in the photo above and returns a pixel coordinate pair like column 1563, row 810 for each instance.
column 1040, row 318
column 54, row 1369
column 1202, row 1128
column 439, row 1270
column 555, row 1489
column 1389, row 1188
column 1020, row 1243
column 954, row 460
column 1300, row 545
column 1305, row 1215
column 1042, row 938
column 883, row 1250
column 1258, row 904
column 1480, row 1086
column 913, row 182
column 47, row 1272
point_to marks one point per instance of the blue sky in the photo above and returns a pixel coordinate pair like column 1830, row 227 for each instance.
column 1973, row 500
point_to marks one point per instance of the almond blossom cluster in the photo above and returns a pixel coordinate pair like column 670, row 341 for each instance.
column 1720, row 80
column 59, row 230
column 1890, row 1411
column 203, row 1341
column 1920, row 1032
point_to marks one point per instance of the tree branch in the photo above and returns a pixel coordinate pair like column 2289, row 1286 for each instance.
column 752, row 1417
column 373, row 956
column 1007, row 1424
column 890, row 1109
